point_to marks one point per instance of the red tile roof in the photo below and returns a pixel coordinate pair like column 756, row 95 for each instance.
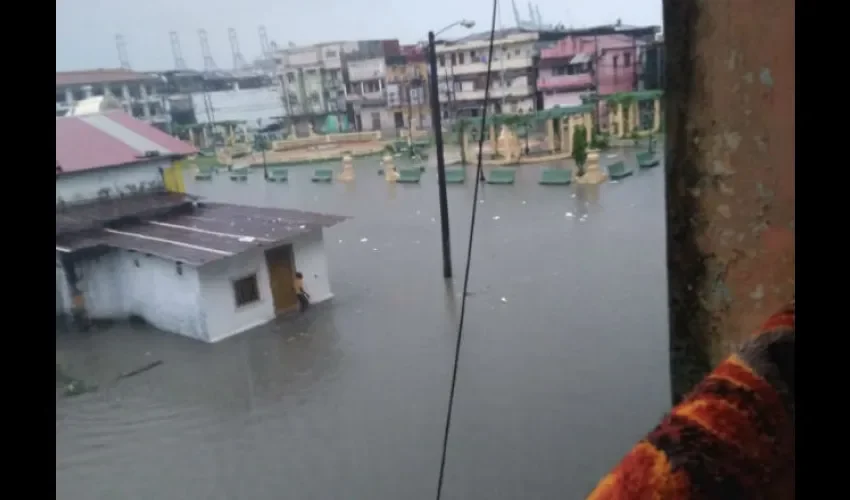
column 99, row 76
column 109, row 139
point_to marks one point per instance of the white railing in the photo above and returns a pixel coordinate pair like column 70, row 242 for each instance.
column 495, row 93
column 481, row 67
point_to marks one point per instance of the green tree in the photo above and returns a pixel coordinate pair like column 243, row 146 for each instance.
column 580, row 147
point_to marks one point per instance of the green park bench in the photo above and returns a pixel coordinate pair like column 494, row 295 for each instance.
column 556, row 176
column 278, row 175
column 501, row 176
column 647, row 160
column 618, row 170
column 323, row 175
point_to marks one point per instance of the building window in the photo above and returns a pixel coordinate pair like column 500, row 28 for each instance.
column 472, row 55
column 246, row 291
column 290, row 77
column 517, row 52
column 460, row 58
column 442, row 60
column 330, row 54
column 453, row 59
column 627, row 59
column 615, row 60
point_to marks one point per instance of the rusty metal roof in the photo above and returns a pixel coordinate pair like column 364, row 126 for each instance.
column 206, row 233
column 96, row 214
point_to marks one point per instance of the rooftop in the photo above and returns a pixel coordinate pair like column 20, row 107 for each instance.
column 100, row 76
column 110, row 139
column 203, row 232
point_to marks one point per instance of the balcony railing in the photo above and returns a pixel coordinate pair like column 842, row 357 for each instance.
column 565, row 81
column 495, row 93
column 481, row 67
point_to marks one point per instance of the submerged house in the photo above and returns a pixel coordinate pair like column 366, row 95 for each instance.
column 131, row 242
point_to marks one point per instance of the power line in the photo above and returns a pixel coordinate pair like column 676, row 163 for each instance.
column 468, row 255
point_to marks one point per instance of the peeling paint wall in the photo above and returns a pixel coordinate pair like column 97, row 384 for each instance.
column 730, row 173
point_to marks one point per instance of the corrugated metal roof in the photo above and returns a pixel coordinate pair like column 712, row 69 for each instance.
column 109, row 139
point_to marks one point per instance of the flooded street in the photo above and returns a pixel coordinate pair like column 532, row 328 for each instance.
column 564, row 363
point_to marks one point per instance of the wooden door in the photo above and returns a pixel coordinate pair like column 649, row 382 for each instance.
column 281, row 278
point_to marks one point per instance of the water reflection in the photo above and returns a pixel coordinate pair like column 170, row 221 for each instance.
column 348, row 400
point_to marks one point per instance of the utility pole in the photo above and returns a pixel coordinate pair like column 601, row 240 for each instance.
column 441, row 160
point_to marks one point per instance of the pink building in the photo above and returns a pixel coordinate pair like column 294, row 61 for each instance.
column 601, row 61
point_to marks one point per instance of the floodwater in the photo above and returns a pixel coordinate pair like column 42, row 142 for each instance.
column 564, row 363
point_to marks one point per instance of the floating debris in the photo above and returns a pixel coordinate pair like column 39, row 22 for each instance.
column 139, row 371
column 504, row 300
column 340, row 241
column 374, row 249
column 496, row 217
column 246, row 239
column 569, row 214
column 362, row 240
column 524, row 202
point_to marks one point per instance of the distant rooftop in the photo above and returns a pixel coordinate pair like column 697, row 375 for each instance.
column 101, row 75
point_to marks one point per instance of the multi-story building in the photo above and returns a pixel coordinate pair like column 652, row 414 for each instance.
column 602, row 60
column 312, row 82
column 462, row 65
column 407, row 91
column 367, row 93
column 137, row 92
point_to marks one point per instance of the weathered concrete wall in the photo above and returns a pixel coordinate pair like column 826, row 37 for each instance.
column 730, row 171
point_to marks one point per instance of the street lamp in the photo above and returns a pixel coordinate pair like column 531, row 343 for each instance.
column 438, row 143
column 466, row 23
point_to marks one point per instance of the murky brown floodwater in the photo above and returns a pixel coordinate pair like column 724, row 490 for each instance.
column 348, row 401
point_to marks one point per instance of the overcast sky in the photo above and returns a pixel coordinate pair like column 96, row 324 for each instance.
column 86, row 29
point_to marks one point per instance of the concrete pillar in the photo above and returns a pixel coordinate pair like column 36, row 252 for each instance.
column 87, row 91
column 620, row 122
column 69, row 97
column 550, row 134
column 494, row 140
column 730, row 228
column 656, row 119
column 146, row 109
column 192, row 137
column 570, row 131
column 381, row 85
column 633, row 117
column 464, row 146
column 588, row 126
column 206, row 136
column 362, row 88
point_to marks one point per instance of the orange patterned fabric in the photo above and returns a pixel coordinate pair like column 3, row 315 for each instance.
column 731, row 438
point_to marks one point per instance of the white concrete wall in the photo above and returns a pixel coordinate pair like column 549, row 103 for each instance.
column 311, row 260
column 199, row 303
column 86, row 185
column 224, row 319
column 247, row 105
column 366, row 69
column 562, row 99
column 122, row 283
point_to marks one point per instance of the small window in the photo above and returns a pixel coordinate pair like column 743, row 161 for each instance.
column 627, row 59
column 442, row 60
column 616, row 60
column 246, row 291
column 460, row 58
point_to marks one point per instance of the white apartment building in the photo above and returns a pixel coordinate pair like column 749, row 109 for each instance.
column 312, row 78
column 367, row 93
column 137, row 92
column 462, row 68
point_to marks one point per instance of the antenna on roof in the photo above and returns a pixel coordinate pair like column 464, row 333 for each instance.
column 177, row 51
column 122, row 51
